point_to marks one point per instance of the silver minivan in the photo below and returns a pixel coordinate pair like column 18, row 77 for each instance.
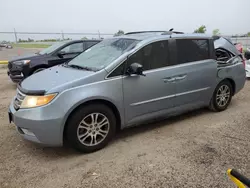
column 124, row 81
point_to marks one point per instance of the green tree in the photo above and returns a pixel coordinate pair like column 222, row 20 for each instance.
column 248, row 34
column 120, row 32
column 216, row 32
column 84, row 38
column 201, row 29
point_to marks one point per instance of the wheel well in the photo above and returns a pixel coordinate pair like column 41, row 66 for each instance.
column 99, row 101
column 38, row 67
column 232, row 83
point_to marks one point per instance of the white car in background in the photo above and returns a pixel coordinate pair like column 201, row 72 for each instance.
column 247, row 67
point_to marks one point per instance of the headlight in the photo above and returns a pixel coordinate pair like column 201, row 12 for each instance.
column 35, row 101
column 22, row 62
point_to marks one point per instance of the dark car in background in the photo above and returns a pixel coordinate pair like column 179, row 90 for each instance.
column 61, row 52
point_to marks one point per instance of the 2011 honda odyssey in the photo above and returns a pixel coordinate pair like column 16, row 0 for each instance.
column 123, row 81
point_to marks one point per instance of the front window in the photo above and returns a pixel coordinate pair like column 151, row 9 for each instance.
column 52, row 48
column 73, row 48
column 103, row 53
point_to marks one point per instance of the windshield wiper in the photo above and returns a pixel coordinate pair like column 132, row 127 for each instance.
column 78, row 67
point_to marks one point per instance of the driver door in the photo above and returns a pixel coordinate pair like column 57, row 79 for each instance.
column 66, row 54
column 151, row 95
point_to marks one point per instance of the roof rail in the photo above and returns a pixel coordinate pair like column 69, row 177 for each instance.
column 171, row 32
column 139, row 32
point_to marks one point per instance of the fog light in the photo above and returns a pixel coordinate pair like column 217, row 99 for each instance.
column 26, row 131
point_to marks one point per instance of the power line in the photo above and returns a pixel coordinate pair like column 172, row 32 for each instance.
column 51, row 33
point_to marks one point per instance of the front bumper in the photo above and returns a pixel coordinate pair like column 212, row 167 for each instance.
column 17, row 72
column 16, row 77
column 40, row 125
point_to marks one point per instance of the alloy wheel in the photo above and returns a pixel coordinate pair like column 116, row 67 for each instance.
column 93, row 129
column 223, row 95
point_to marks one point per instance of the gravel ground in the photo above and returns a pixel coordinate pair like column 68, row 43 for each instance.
column 191, row 150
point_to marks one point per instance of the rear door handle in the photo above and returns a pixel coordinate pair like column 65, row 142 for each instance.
column 166, row 80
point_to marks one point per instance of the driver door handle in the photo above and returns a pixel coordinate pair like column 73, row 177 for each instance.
column 181, row 77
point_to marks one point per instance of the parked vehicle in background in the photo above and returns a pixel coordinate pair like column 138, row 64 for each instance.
column 247, row 53
column 247, row 56
column 9, row 46
column 23, row 66
column 239, row 47
column 124, row 81
column 3, row 44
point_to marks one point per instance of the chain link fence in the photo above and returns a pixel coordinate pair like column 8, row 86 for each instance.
column 40, row 36
column 245, row 41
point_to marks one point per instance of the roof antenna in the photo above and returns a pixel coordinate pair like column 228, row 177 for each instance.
column 171, row 32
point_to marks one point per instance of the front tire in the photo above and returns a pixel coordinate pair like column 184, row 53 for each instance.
column 91, row 127
column 222, row 96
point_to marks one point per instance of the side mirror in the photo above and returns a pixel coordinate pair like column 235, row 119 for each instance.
column 135, row 68
column 61, row 54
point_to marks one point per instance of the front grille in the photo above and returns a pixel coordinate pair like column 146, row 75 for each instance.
column 9, row 65
column 18, row 99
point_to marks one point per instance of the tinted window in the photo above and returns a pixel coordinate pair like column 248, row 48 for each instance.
column 152, row 56
column 189, row 50
column 118, row 71
column 73, row 48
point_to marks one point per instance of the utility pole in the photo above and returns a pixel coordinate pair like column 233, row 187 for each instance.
column 99, row 34
column 62, row 35
column 15, row 35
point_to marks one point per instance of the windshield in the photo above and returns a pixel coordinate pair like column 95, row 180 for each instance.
column 51, row 48
column 103, row 53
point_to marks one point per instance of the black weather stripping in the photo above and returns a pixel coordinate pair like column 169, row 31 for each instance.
column 30, row 92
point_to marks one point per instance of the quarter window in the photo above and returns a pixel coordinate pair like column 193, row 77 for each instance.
column 118, row 71
column 189, row 50
column 88, row 44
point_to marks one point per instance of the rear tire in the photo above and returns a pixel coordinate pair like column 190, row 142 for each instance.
column 222, row 96
column 91, row 128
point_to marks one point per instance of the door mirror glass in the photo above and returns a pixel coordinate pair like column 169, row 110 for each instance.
column 135, row 68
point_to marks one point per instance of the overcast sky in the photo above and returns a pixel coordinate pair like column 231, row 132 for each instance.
column 107, row 16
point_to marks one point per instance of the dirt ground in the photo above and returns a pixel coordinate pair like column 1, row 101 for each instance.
column 192, row 150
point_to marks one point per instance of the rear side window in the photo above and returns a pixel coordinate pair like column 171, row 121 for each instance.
column 189, row 50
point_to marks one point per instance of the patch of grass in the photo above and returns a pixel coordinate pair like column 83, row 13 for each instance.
column 24, row 45
column 244, row 49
